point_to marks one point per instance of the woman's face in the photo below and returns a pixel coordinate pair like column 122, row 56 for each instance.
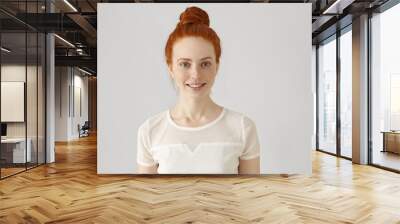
column 193, row 67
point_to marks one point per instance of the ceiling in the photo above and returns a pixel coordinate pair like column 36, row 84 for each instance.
column 76, row 22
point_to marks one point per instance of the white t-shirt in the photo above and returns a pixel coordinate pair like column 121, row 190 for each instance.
column 213, row 148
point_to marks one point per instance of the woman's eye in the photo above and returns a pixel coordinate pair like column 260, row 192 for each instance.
column 206, row 64
column 184, row 64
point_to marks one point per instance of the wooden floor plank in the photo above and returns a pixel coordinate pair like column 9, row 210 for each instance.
column 70, row 191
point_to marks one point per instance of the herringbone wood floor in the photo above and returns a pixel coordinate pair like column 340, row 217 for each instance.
column 70, row 191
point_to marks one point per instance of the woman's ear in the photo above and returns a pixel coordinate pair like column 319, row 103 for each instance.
column 171, row 74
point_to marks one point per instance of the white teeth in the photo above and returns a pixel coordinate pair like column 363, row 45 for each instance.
column 195, row 85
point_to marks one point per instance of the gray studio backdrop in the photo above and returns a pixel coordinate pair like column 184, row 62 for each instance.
column 265, row 73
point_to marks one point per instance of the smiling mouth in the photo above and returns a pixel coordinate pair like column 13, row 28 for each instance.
column 196, row 86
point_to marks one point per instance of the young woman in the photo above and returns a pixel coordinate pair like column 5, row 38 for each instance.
column 196, row 136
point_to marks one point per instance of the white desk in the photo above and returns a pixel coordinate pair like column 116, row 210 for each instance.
column 18, row 150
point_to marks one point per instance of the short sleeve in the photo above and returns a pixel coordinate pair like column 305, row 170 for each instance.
column 251, row 144
column 144, row 156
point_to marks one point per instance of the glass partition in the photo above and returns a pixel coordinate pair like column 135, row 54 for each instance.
column 22, row 63
column 13, row 110
column 32, row 95
column 41, row 107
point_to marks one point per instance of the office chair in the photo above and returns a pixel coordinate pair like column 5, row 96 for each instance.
column 84, row 130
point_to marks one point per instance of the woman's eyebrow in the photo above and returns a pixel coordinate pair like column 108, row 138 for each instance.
column 188, row 59
column 205, row 58
column 184, row 59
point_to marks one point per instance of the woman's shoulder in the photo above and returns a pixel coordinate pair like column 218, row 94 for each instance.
column 239, row 117
column 154, row 120
column 233, row 114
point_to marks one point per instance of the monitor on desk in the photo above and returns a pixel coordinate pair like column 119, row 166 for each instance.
column 3, row 130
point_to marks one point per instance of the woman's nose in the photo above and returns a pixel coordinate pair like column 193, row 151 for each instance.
column 195, row 73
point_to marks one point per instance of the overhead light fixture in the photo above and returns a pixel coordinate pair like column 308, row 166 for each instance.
column 338, row 6
column 326, row 11
column 65, row 41
column 5, row 50
column 79, row 51
column 84, row 71
column 70, row 5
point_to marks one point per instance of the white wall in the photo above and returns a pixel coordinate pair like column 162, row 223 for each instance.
column 67, row 80
column 61, row 103
column 265, row 73
column 80, row 83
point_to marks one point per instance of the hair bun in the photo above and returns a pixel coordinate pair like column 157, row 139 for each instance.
column 194, row 15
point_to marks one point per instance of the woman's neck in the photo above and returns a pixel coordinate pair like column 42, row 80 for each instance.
column 195, row 109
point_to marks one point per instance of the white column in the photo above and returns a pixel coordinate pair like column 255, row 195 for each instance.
column 50, row 91
column 50, row 100
column 360, row 90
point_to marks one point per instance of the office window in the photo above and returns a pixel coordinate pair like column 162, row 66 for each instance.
column 327, row 96
column 346, row 93
column 385, row 90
